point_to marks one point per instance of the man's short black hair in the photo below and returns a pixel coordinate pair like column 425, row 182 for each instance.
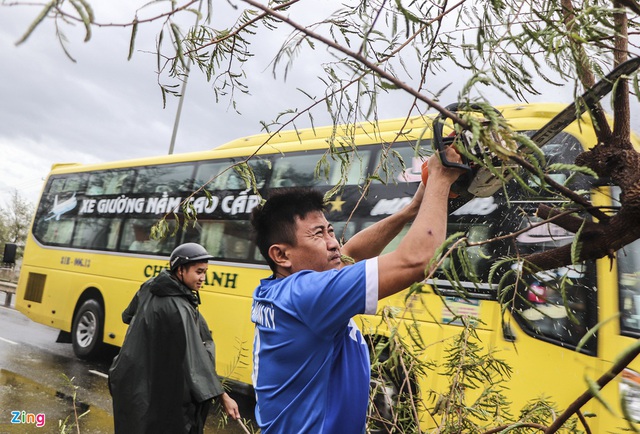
column 274, row 221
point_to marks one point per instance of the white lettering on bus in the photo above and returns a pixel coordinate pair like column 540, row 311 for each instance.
column 202, row 204
column 226, row 280
column 477, row 206
column 263, row 314
column 87, row 206
column 389, row 206
column 119, row 205
column 241, row 204
column 233, row 205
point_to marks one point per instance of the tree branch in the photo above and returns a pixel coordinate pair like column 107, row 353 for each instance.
column 603, row 131
column 365, row 62
column 563, row 190
column 621, row 109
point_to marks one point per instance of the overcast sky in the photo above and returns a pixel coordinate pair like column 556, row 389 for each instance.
column 105, row 108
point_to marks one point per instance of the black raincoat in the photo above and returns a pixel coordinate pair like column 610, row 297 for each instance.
column 164, row 377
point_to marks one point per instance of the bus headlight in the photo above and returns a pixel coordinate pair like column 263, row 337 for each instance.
column 629, row 388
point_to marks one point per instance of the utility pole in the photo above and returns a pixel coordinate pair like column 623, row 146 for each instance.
column 179, row 111
column 182, row 93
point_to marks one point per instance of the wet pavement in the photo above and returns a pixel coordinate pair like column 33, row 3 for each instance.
column 31, row 407
column 41, row 380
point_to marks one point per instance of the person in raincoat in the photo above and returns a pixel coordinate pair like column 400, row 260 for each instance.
column 164, row 378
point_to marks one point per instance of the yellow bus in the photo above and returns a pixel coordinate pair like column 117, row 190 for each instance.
column 89, row 251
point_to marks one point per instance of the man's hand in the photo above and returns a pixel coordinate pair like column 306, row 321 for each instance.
column 230, row 406
column 450, row 173
column 434, row 163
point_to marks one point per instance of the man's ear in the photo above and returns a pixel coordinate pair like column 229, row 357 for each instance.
column 279, row 254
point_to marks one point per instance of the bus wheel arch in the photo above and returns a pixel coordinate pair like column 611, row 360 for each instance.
column 87, row 329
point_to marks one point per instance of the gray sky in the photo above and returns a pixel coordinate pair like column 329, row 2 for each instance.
column 105, row 108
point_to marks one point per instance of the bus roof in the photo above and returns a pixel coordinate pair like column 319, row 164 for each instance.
column 316, row 138
column 510, row 111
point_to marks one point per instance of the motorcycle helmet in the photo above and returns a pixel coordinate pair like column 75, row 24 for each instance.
column 186, row 253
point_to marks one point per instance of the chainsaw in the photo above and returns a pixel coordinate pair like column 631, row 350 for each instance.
column 477, row 180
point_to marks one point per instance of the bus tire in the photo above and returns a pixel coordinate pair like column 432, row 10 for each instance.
column 86, row 331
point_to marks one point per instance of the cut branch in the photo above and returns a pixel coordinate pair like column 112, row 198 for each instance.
column 598, row 240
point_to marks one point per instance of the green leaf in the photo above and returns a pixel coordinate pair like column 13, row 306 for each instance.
column 572, row 167
column 592, row 331
column 594, row 388
column 43, row 14
column 85, row 16
column 132, row 41
column 576, row 245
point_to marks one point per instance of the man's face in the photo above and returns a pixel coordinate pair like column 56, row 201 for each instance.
column 317, row 248
column 193, row 275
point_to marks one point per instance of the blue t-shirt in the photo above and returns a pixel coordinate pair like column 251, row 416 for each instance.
column 310, row 362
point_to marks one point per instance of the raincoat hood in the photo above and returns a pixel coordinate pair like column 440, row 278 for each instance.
column 166, row 284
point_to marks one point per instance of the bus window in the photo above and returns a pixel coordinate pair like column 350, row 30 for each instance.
column 300, row 170
column 67, row 184
column 110, row 182
column 343, row 230
column 296, row 170
column 473, row 275
column 559, row 312
column 257, row 257
column 164, row 179
column 56, row 232
column 136, row 237
column 628, row 259
column 54, row 221
column 480, row 256
column 401, row 163
column 224, row 177
column 97, row 233
column 563, row 149
column 223, row 239
column 356, row 169
column 629, row 284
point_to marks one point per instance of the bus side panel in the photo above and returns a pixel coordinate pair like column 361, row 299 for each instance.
column 226, row 306
column 612, row 343
column 542, row 370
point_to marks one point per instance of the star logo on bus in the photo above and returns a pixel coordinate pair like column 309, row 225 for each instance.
column 336, row 204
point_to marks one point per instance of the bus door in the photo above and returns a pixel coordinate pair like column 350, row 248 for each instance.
column 461, row 297
column 619, row 295
column 548, row 312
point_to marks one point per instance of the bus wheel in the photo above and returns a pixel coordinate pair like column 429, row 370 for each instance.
column 86, row 332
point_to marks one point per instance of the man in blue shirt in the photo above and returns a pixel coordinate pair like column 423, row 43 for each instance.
column 311, row 364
